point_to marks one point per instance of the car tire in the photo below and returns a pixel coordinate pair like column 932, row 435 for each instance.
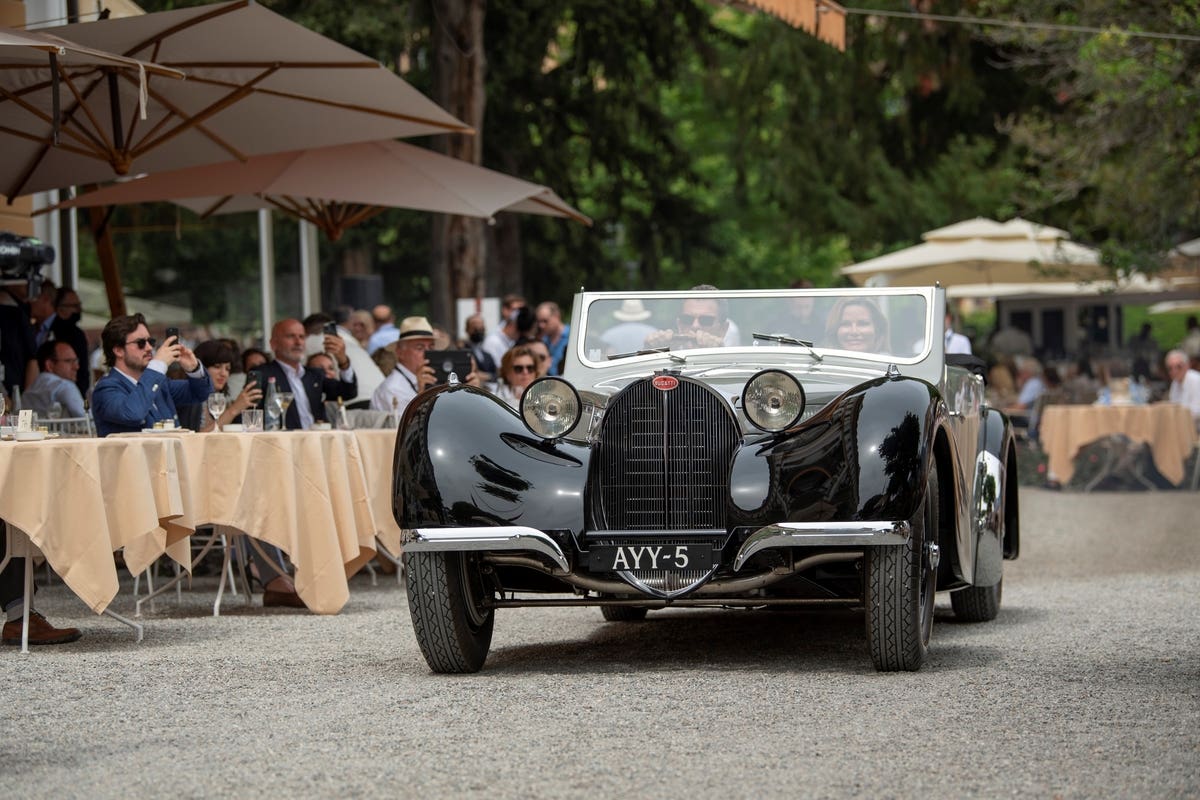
column 624, row 613
column 977, row 603
column 900, row 584
column 445, row 600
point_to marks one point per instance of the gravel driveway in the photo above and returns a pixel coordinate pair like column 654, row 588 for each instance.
column 1087, row 685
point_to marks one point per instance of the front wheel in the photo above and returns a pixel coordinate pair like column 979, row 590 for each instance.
column 901, row 581
column 446, row 595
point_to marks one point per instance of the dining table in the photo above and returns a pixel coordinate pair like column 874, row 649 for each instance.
column 305, row 492
column 75, row 501
column 1167, row 428
column 378, row 447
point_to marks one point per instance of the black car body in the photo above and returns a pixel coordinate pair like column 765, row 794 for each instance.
column 746, row 458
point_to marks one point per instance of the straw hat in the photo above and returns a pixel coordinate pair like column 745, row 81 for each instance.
column 632, row 310
column 415, row 328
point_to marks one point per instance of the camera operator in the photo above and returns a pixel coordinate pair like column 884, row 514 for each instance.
column 21, row 262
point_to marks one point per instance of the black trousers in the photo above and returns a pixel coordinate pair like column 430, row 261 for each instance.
column 12, row 577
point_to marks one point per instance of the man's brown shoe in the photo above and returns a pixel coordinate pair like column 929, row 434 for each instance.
column 40, row 631
column 273, row 597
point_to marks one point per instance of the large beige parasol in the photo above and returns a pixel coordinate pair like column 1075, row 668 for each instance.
column 256, row 83
column 39, row 70
column 338, row 187
column 982, row 251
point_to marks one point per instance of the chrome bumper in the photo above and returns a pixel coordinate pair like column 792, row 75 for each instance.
column 508, row 537
column 822, row 534
column 782, row 534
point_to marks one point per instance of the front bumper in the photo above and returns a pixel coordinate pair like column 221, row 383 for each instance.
column 768, row 537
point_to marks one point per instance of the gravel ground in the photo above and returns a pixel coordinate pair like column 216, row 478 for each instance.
column 1087, row 685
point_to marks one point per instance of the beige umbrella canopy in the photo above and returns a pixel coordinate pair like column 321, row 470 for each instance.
column 256, row 83
column 338, row 187
column 39, row 70
column 982, row 251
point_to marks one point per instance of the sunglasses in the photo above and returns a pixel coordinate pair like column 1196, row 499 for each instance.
column 706, row 320
column 524, row 368
column 140, row 343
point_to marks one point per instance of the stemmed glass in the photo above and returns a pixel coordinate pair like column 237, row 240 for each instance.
column 217, row 403
column 283, row 400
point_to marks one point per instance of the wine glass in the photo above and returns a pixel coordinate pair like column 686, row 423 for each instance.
column 217, row 403
column 283, row 400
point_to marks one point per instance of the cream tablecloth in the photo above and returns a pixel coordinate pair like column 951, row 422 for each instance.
column 1168, row 428
column 303, row 491
column 378, row 448
column 79, row 500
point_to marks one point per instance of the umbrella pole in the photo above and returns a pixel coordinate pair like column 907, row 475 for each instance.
column 109, row 269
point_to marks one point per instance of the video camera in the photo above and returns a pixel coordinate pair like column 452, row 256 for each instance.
column 22, row 259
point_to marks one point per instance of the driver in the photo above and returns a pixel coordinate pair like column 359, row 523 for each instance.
column 701, row 322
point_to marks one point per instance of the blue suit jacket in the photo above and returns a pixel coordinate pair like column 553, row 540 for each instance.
column 121, row 406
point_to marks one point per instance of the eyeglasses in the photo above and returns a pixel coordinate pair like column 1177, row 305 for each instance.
column 706, row 320
column 140, row 343
column 524, row 368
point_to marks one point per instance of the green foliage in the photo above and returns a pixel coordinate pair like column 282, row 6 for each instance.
column 713, row 145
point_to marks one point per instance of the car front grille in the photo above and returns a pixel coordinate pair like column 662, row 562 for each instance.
column 662, row 459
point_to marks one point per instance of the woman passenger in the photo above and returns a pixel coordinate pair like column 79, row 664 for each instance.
column 518, row 369
column 857, row 324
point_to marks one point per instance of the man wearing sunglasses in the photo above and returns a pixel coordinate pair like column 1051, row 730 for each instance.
column 700, row 322
column 136, row 392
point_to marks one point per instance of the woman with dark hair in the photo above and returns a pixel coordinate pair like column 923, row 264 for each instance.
column 217, row 357
column 857, row 324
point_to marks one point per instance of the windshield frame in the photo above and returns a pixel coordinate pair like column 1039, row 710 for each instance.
column 585, row 308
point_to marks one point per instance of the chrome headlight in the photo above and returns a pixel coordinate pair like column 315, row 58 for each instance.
column 773, row 400
column 551, row 407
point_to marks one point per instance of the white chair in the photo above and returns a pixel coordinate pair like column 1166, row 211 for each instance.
column 369, row 418
column 70, row 427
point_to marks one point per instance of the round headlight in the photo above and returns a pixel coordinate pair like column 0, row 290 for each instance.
column 773, row 400
column 551, row 407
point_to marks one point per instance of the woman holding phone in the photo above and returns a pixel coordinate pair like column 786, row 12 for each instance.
column 217, row 357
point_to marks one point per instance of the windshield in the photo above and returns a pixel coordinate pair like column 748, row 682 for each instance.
column 887, row 323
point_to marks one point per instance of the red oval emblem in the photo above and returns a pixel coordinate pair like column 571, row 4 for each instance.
column 665, row 383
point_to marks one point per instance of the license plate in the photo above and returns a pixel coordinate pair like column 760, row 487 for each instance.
column 662, row 557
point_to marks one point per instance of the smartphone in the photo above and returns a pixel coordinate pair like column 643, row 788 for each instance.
column 446, row 361
column 173, row 331
column 331, row 329
column 255, row 376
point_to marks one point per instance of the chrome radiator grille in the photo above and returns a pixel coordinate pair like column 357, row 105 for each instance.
column 663, row 459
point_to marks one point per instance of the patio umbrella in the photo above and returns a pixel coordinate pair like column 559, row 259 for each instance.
column 257, row 83
column 983, row 251
column 338, row 187
column 37, row 69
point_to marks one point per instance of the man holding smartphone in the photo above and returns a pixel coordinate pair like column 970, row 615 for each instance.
column 136, row 392
column 309, row 386
column 413, row 373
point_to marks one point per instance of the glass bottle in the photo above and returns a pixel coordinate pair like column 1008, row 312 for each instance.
column 271, row 406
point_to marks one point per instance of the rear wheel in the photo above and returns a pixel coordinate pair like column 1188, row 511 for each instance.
column 901, row 581
column 446, row 595
column 977, row 603
column 624, row 613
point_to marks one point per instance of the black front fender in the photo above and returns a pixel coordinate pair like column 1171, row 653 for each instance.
column 863, row 457
column 464, row 458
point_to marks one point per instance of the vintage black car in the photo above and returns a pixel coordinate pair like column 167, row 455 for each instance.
column 716, row 449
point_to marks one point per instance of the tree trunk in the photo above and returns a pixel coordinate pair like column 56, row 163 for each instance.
column 459, row 252
column 109, row 269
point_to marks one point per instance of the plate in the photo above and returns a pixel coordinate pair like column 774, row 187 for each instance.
column 232, row 427
column 167, row 430
column 30, row 436
column 321, row 426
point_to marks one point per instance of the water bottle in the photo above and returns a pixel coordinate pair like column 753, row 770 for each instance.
column 271, row 406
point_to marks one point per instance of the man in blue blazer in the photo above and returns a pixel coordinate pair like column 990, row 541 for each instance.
column 136, row 392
